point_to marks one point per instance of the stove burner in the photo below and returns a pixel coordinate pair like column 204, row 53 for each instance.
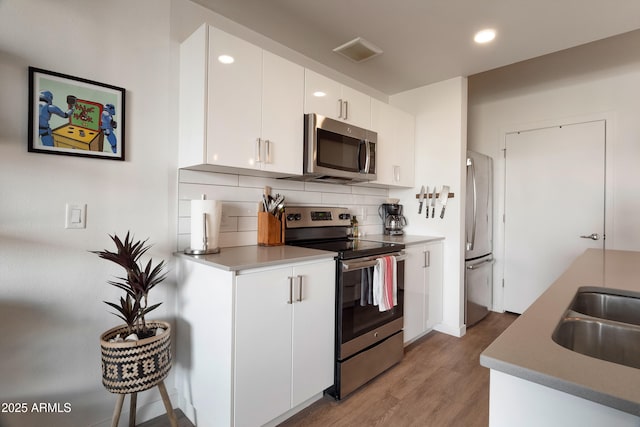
column 329, row 228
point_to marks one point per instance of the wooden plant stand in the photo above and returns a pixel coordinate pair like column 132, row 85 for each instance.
column 129, row 367
column 132, row 408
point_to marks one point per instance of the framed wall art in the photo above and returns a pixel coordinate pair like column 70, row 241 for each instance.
column 75, row 116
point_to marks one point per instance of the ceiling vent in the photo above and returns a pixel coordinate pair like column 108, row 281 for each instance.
column 358, row 50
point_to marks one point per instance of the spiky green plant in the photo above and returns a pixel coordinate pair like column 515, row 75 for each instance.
column 139, row 280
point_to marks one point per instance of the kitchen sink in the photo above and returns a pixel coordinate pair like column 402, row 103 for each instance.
column 602, row 323
column 617, row 343
column 606, row 304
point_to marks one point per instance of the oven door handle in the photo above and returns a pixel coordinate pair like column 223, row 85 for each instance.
column 369, row 262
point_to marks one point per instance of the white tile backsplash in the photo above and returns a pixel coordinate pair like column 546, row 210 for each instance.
column 241, row 195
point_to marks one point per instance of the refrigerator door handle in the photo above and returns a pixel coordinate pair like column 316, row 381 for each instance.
column 471, row 244
column 480, row 264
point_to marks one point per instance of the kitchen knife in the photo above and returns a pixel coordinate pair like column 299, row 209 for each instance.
column 421, row 199
column 426, row 203
column 444, row 197
column 433, row 203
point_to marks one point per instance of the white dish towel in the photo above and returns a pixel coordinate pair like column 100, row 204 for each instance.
column 385, row 283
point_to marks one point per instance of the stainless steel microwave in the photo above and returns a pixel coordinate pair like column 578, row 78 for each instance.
column 335, row 151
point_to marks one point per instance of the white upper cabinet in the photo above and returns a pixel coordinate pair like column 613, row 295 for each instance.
column 332, row 99
column 240, row 106
column 282, row 114
column 234, row 100
column 395, row 151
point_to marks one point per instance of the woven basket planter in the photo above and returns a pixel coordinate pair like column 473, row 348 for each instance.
column 133, row 366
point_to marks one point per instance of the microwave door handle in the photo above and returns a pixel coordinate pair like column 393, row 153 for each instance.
column 368, row 156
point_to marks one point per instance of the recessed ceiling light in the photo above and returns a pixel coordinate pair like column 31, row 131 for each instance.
column 484, row 36
column 319, row 94
column 226, row 59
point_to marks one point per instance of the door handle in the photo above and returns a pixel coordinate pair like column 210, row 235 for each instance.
column 258, row 148
column 592, row 236
column 299, row 288
column 267, row 149
column 471, row 243
column 290, row 290
column 480, row 264
column 367, row 161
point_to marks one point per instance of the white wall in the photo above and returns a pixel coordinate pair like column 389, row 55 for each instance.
column 51, row 288
column 594, row 81
column 440, row 155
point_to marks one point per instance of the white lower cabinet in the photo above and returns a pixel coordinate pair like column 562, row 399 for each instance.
column 284, row 340
column 422, row 289
column 254, row 344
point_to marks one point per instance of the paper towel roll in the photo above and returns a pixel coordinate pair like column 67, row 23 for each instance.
column 213, row 211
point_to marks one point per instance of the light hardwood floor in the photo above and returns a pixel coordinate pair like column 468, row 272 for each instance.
column 438, row 383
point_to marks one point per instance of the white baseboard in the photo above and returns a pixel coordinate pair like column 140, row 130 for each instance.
column 293, row 411
column 456, row 331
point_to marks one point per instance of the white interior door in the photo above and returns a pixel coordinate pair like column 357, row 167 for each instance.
column 555, row 193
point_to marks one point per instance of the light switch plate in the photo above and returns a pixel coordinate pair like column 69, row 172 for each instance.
column 76, row 215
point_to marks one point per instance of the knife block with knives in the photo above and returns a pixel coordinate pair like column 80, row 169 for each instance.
column 270, row 230
column 270, row 224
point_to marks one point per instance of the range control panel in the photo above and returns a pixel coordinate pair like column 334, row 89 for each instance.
column 316, row 216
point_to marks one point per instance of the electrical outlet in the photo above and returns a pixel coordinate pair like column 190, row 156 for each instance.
column 76, row 215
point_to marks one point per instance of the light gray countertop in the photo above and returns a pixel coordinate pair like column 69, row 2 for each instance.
column 248, row 257
column 526, row 349
column 405, row 239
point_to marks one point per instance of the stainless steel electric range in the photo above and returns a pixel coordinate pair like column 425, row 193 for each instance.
column 368, row 341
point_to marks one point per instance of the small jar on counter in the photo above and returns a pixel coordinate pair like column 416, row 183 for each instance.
column 354, row 227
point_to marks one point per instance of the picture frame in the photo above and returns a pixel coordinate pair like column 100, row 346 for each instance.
column 74, row 116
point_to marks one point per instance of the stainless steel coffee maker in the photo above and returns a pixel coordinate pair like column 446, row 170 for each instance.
column 392, row 219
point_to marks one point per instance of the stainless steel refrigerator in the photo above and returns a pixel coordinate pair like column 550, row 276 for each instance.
column 478, row 277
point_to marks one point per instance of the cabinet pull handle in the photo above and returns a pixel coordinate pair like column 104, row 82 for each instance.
column 346, row 110
column 340, row 103
column 267, row 145
column 258, row 141
column 396, row 173
column 427, row 259
column 299, row 287
column 290, row 290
